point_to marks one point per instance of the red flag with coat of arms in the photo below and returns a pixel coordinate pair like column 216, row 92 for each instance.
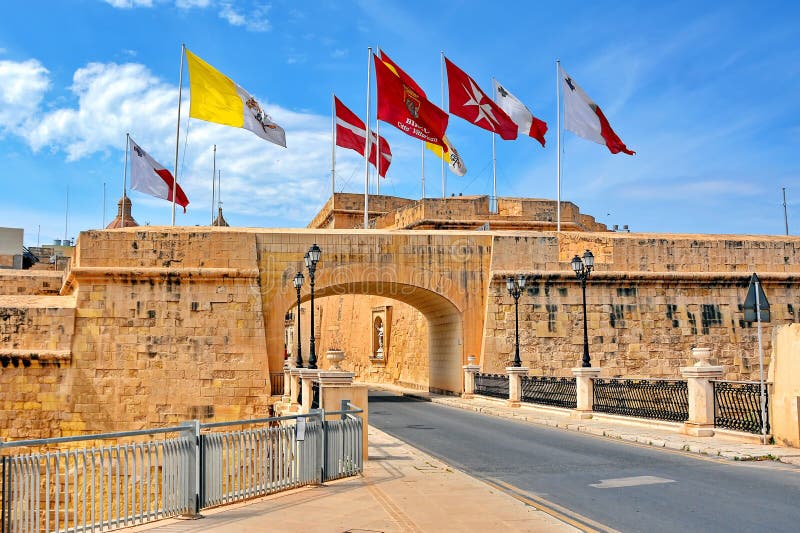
column 407, row 110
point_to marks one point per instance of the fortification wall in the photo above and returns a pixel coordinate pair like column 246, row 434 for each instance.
column 650, row 299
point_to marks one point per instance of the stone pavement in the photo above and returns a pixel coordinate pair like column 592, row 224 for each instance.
column 402, row 489
column 725, row 444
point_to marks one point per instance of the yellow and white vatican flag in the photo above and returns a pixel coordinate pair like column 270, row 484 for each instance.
column 216, row 98
column 451, row 156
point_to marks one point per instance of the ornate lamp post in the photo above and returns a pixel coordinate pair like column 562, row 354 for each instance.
column 515, row 287
column 311, row 259
column 298, row 282
column 583, row 267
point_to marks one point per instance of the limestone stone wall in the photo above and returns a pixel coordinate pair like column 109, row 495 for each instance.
column 344, row 322
column 19, row 282
column 649, row 301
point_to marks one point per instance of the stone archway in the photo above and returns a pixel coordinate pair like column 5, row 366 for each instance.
column 444, row 320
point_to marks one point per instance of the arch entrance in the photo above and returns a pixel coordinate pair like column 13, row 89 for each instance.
column 443, row 319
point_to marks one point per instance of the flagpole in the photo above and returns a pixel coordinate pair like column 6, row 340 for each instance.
column 493, row 203
column 366, row 145
column 377, row 147
column 177, row 135
column 213, row 182
column 558, row 147
column 423, row 169
column 444, row 192
column 125, row 175
column 104, row 206
column 333, row 146
column 219, row 189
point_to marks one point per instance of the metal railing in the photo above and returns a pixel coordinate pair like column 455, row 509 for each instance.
column 737, row 405
column 173, row 471
column 495, row 385
column 662, row 399
column 97, row 487
column 276, row 383
column 558, row 392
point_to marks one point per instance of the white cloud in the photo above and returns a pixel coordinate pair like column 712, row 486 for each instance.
column 112, row 99
column 189, row 4
column 128, row 4
column 22, row 87
column 256, row 20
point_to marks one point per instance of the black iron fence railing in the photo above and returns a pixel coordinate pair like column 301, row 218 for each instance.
column 662, row 399
column 315, row 395
column 276, row 383
column 495, row 385
column 737, row 405
column 559, row 392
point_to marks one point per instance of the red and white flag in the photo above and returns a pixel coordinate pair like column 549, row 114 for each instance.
column 351, row 133
column 150, row 177
column 469, row 102
column 585, row 119
column 407, row 110
column 519, row 113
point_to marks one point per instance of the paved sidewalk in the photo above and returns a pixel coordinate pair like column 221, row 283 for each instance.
column 729, row 445
column 402, row 489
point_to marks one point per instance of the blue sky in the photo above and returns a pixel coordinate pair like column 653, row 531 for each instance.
column 706, row 93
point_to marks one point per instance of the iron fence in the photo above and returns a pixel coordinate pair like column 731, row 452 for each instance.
column 737, row 405
column 495, row 385
column 276, row 383
column 558, row 392
column 662, row 399
column 170, row 471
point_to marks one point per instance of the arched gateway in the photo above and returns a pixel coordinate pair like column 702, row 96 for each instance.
column 442, row 276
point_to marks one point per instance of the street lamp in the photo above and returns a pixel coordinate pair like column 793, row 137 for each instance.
column 311, row 259
column 515, row 287
column 582, row 269
column 298, row 282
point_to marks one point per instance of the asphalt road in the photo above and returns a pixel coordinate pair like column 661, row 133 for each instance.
column 598, row 481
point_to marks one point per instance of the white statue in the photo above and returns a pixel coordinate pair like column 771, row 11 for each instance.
column 380, row 339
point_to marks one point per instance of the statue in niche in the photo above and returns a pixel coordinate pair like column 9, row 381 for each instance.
column 379, row 329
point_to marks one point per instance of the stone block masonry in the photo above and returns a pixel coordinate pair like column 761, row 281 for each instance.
column 157, row 325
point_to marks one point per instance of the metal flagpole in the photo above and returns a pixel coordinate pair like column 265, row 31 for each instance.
column 213, row 181
column 104, row 206
column 493, row 203
column 66, row 217
column 558, row 147
column 423, row 169
column 785, row 215
column 443, row 178
column 366, row 146
column 125, row 175
column 761, row 366
column 333, row 146
column 219, row 189
column 377, row 148
column 177, row 135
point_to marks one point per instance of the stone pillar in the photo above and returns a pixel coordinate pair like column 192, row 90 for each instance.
column 287, row 385
column 701, row 394
column 584, row 388
column 294, row 387
column 469, row 378
column 334, row 387
column 515, row 374
column 307, row 378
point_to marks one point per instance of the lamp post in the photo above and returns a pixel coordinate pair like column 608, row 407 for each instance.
column 311, row 259
column 583, row 267
column 515, row 287
column 298, row 282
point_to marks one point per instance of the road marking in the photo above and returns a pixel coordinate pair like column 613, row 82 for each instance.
column 572, row 518
column 630, row 482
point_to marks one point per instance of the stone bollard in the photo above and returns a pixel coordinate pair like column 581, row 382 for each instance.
column 469, row 378
column 701, row 394
column 584, row 388
column 515, row 374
